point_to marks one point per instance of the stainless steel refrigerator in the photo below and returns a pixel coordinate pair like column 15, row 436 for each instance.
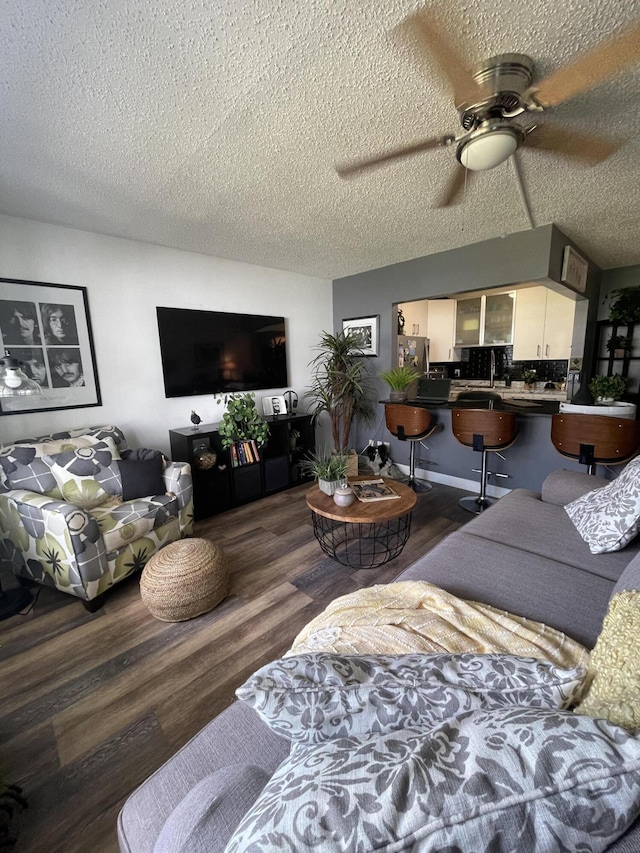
column 413, row 351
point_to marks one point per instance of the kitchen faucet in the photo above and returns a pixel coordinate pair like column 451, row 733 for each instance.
column 492, row 377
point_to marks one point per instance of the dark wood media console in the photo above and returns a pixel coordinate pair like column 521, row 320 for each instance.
column 222, row 485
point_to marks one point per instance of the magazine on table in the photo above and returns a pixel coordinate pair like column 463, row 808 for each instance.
column 373, row 490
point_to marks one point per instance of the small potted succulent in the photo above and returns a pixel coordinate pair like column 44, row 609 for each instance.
column 619, row 345
column 529, row 377
column 607, row 389
column 329, row 469
column 399, row 379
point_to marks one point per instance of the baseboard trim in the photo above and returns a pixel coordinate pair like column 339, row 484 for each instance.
column 456, row 482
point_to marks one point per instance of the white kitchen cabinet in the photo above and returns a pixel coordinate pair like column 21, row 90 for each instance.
column 543, row 325
column 415, row 317
column 441, row 328
column 558, row 326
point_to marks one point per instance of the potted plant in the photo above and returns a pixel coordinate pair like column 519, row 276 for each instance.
column 529, row 377
column 341, row 386
column 398, row 379
column 241, row 421
column 606, row 389
column 619, row 345
column 625, row 307
column 329, row 469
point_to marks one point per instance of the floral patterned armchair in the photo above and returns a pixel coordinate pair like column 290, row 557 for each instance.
column 80, row 511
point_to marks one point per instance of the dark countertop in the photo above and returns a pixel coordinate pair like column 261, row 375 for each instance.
column 518, row 407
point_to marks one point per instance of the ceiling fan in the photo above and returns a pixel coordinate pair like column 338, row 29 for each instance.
column 492, row 101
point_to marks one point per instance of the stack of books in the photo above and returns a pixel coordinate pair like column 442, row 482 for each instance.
column 244, row 453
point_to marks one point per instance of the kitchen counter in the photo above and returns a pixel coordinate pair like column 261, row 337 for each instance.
column 526, row 463
column 516, row 391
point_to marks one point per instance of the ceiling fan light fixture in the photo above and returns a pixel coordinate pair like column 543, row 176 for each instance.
column 488, row 149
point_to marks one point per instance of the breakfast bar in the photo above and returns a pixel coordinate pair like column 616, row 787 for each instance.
column 525, row 464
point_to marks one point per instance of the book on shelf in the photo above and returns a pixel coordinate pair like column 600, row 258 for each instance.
column 244, row 453
column 373, row 490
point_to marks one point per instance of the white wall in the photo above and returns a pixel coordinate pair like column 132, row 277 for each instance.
column 125, row 282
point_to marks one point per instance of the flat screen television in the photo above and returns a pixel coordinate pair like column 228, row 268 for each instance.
column 212, row 352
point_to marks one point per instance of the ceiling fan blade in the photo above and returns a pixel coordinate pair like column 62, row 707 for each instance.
column 590, row 69
column 451, row 195
column 349, row 170
column 570, row 143
column 450, row 62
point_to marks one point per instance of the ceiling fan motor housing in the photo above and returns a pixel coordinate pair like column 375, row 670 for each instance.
column 503, row 80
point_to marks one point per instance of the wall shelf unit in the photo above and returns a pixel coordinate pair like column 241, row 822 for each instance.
column 625, row 362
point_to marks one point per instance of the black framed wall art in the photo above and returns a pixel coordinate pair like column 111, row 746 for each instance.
column 48, row 329
column 366, row 329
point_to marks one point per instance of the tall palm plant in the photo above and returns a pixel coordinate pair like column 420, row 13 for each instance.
column 341, row 385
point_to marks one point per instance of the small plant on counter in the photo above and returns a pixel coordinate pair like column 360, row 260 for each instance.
column 399, row 378
column 529, row 377
column 608, row 387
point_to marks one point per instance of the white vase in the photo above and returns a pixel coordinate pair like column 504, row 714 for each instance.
column 328, row 487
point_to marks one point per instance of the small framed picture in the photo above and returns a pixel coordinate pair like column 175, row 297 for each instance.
column 274, row 406
column 365, row 331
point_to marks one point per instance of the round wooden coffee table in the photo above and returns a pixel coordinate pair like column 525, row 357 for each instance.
column 363, row 535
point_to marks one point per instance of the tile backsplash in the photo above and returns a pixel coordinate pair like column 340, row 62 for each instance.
column 476, row 364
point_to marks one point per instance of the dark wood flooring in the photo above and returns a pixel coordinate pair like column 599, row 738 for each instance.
column 91, row 704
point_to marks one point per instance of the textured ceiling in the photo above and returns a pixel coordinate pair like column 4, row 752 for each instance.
column 215, row 127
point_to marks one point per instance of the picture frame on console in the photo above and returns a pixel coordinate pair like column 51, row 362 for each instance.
column 274, row 406
column 366, row 328
column 47, row 327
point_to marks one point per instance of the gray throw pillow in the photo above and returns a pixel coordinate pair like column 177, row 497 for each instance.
column 204, row 821
column 141, row 478
column 314, row 697
column 608, row 518
column 508, row 779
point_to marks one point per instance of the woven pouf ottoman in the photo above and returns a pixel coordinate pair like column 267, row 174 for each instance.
column 184, row 579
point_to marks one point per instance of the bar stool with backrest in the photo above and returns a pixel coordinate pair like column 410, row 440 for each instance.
column 595, row 439
column 486, row 431
column 412, row 424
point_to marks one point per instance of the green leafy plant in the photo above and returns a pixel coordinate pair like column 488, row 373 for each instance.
column 399, row 378
column 341, row 385
column 624, row 304
column 529, row 376
column 608, row 387
column 326, row 466
column 241, row 421
column 619, row 342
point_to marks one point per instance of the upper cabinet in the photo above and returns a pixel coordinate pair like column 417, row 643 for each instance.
column 441, row 325
column 543, row 325
column 485, row 320
column 468, row 320
column 415, row 317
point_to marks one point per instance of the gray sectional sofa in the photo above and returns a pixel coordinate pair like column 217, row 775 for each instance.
column 523, row 555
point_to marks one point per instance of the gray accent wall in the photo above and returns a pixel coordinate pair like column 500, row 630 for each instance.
column 526, row 256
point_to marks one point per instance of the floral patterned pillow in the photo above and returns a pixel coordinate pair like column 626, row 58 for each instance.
column 314, row 697
column 507, row 779
column 608, row 518
column 87, row 476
